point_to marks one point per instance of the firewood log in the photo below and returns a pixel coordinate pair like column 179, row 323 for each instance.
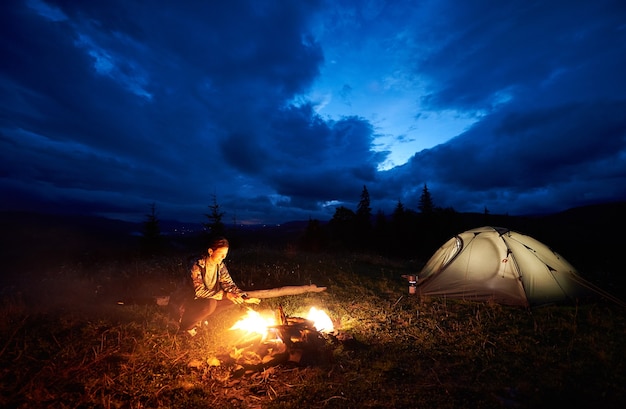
column 282, row 291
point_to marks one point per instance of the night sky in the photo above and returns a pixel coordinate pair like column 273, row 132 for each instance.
column 284, row 110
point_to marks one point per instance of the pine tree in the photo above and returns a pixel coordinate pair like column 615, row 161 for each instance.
column 363, row 220
column 363, row 210
column 151, row 240
column 215, row 226
column 398, row 213
column 342, row 226
column 343, row 216
column 313, row 239
column 426, row 201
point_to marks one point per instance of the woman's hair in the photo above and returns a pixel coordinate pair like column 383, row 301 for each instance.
column 218, row 242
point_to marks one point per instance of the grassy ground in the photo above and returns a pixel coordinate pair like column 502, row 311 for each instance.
column 91, row 336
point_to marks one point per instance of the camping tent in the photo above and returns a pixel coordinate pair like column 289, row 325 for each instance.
column 500, row 265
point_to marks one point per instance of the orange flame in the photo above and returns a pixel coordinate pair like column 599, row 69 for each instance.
column 254, row 322
column 321, row 320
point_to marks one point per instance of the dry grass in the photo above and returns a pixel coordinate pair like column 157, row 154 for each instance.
column 92, row 337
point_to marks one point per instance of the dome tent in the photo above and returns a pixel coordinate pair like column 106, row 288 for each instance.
column 503, row 266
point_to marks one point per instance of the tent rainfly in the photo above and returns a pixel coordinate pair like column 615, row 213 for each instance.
column 503, row 266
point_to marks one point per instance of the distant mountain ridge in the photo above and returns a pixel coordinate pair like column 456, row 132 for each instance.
column 10, row 220
column 583, row 235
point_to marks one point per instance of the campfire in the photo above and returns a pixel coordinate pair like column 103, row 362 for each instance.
column 271, row 338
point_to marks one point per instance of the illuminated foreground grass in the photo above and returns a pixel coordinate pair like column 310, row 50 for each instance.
column 96, row 339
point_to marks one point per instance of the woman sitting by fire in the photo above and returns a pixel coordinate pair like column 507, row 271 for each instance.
column 211, row 282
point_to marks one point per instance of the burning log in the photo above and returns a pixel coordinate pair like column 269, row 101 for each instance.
column 282, row 291
column 278, row 340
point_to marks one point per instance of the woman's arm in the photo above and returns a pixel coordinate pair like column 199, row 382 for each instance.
column 227, row 283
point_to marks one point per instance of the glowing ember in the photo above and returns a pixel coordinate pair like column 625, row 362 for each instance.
column 254, row 323
column 321, row 320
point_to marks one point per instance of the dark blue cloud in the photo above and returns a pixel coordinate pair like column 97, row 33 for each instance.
column 107, row 107
column 530, row 161
column 488, row 54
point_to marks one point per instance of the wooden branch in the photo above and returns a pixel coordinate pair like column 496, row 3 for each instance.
column 282, row 291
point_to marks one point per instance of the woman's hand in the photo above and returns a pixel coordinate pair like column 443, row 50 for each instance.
column 235, row 298
column 238, row 299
